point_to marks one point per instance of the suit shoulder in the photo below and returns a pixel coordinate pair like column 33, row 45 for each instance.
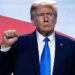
column 65, row 38
column 25, row 35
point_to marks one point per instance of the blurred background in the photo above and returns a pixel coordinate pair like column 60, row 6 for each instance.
column 15, row 14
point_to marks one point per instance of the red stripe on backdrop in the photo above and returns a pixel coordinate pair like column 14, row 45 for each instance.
column 65, row 35
column 21, row 27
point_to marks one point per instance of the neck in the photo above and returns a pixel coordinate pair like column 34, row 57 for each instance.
column 46, row 34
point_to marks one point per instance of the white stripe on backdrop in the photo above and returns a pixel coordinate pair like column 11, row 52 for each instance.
column 19, row 9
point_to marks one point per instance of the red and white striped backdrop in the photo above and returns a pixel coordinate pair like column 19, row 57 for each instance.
column 15, row 14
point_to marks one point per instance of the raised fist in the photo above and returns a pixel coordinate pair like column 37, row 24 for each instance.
column 9, row 38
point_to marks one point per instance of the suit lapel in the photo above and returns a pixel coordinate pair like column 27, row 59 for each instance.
column 34, row 46
column 58, row 54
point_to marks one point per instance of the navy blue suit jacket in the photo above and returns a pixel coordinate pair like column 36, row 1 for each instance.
column 23, row 58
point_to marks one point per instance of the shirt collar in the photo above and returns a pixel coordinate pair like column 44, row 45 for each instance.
column 41, row 37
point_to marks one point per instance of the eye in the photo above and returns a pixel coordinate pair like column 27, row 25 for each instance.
column 50, row 14
column 40, row 15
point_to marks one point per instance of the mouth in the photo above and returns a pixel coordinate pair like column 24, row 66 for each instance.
column 46, row 25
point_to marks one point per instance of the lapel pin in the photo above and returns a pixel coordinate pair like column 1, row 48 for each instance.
column 61, row 44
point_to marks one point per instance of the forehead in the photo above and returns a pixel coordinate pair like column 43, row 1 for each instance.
column 44, row 9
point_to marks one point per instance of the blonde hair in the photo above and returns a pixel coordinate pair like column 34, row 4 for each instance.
column 39, row 3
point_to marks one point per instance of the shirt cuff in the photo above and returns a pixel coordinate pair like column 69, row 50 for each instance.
column 5, row 49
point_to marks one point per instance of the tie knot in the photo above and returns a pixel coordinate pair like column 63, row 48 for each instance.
column 46, row 39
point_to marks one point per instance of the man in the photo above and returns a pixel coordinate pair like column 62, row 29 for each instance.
column 22, row 55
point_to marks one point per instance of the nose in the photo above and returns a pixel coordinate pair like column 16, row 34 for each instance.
column 45, row 18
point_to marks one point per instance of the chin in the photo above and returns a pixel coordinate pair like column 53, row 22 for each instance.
column 49, row 31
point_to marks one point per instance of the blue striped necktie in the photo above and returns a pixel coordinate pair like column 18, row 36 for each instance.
column 45, row 63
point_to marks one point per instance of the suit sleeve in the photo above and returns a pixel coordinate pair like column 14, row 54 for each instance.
column 73, row 58
column 6, row 62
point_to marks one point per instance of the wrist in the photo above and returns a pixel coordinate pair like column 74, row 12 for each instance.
column 3, row 46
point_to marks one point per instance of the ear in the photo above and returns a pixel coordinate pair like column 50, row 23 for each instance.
column 32, row 21
column 55, row 20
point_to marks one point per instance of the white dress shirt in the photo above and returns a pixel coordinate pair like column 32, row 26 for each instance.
column 41, row 43
column 51, row 44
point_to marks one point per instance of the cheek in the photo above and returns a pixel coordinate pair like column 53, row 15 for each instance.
column 39, row 22
column 53, row 22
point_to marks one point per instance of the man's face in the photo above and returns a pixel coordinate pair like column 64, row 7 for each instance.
column 44, row 19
